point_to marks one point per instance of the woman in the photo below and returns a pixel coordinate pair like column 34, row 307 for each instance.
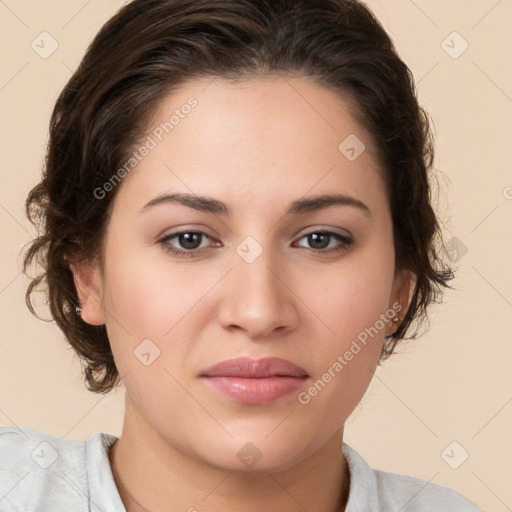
column 236, row 226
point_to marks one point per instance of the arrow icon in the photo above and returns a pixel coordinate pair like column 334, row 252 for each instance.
column 44, row 45
column 454, row 45
column 454, row 455
column 249, row 249
column 146, row 352
column 249, row 455
column 351, row 147
column 44, row 455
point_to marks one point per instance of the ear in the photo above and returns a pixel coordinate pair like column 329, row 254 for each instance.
column 88, row 283
column 403, row 286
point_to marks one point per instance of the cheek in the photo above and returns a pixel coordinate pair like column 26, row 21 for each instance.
column 150, row 294
column 352, row 307
column 152, row 300
column 349, row 297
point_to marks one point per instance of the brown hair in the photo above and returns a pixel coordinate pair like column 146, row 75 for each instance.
column 146, row 51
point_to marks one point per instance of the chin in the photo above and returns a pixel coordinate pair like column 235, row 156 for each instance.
column 256, row 454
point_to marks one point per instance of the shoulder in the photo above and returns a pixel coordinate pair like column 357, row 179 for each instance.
column 417, row 495
column 386, row 491
column 40, row 471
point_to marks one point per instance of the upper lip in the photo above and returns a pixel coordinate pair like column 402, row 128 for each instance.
column 255, row 368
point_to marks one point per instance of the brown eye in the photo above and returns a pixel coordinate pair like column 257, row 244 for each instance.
column 320, row 240
column 185, row 243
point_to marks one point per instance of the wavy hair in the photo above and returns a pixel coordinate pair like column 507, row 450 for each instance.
column 147, row 50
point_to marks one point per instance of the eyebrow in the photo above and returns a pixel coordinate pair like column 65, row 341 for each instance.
column 309, row 204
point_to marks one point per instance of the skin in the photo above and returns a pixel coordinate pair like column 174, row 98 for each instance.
column 257, row 146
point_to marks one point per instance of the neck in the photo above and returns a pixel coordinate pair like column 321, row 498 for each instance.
column 152, row 476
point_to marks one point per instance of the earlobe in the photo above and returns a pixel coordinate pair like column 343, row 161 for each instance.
column 88, row 285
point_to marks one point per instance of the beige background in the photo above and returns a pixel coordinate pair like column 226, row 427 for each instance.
column 452, row 385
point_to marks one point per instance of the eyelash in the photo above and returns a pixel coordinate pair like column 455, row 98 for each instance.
column 346, row 242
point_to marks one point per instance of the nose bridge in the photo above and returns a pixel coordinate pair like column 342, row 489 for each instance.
column 257, row 280
column 256, row 298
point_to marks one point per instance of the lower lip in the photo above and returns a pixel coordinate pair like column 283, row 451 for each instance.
column 256, row 391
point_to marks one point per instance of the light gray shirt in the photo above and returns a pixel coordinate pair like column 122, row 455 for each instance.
column 40, row 472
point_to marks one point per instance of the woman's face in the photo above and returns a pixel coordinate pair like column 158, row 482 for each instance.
column 257, row 278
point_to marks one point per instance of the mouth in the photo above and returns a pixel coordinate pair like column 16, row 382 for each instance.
column 255, row 381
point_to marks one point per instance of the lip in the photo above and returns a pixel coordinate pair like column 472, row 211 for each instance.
column 255, row 381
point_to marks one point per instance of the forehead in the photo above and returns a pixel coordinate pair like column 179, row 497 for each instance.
column 262, row 107
column 260, row 135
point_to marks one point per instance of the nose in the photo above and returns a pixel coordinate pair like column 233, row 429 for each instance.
column 258, row 298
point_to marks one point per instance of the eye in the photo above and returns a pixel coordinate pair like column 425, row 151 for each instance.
column 187, row 242
column 321, row 240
